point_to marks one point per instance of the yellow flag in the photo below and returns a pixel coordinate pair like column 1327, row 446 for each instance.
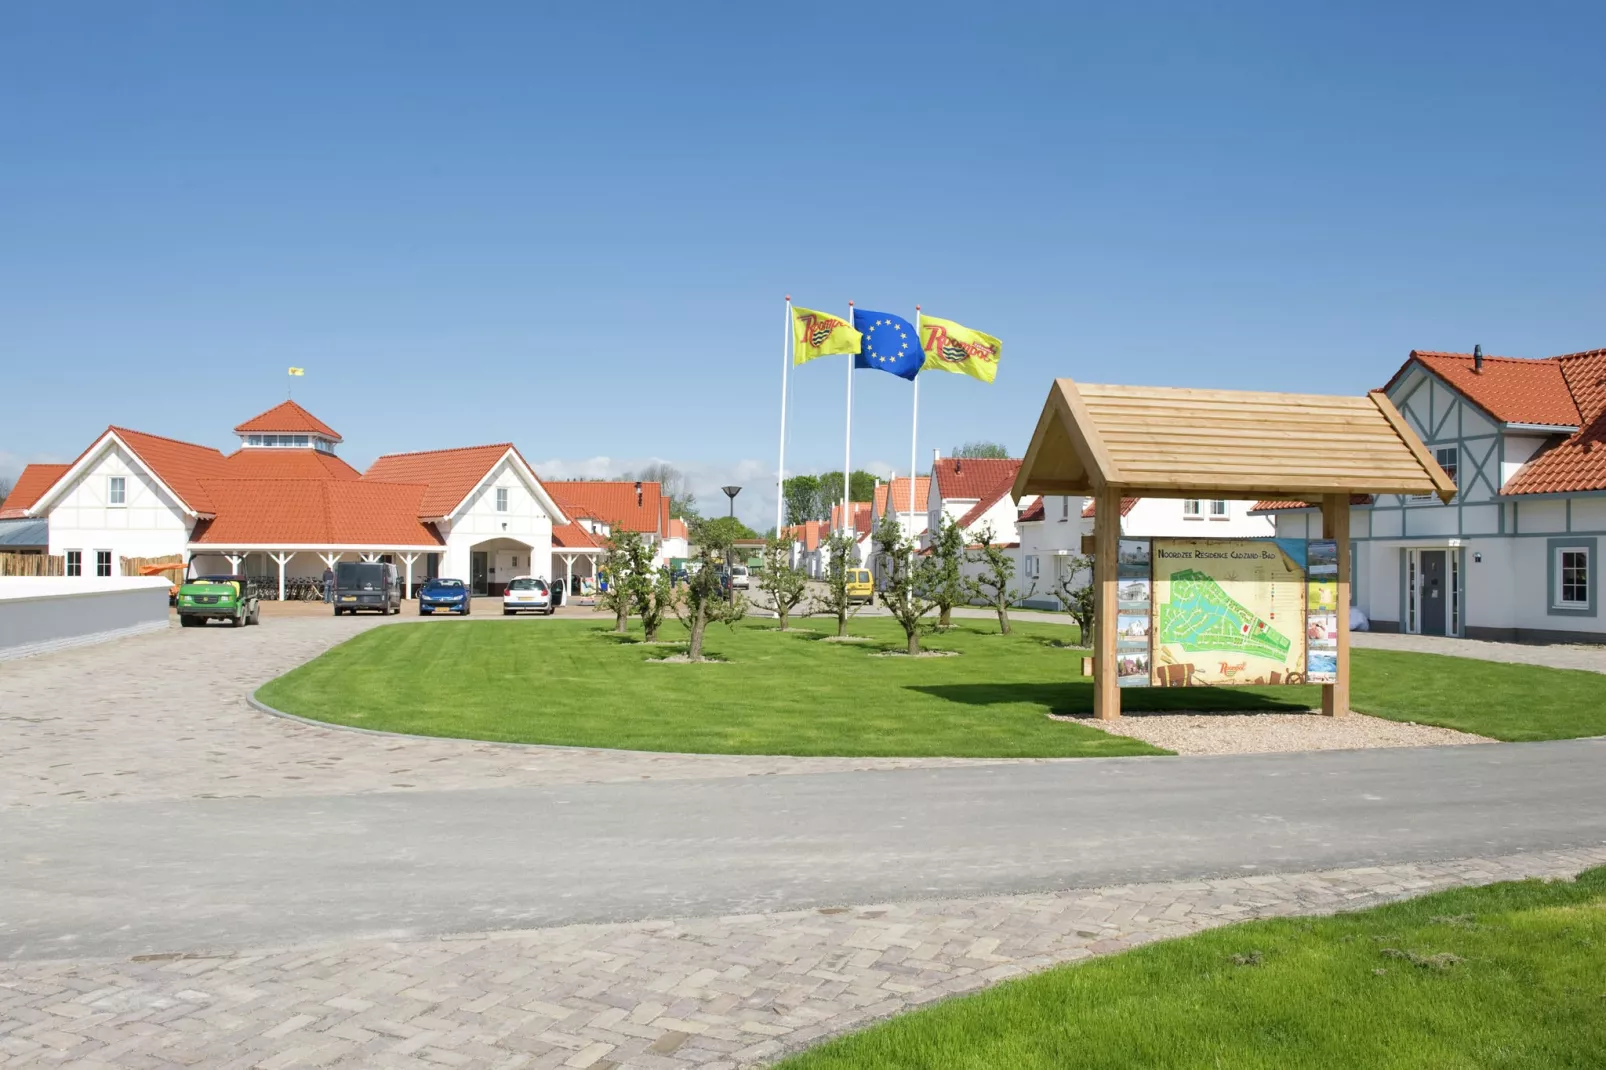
column 298, row 371
column 951, row 347
column 815, row 334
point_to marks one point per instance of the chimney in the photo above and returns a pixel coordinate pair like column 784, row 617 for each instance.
column 1477, row 360
column 638, row 492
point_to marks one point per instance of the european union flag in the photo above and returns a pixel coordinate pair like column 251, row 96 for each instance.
column 891, row 344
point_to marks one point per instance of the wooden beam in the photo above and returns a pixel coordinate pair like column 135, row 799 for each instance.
column 1335, row 526
column 1442, row 482
column 1106, row 536
column 1084, row 432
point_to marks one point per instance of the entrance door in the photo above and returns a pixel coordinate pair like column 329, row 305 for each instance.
column 1435, row 593
column 479, row 567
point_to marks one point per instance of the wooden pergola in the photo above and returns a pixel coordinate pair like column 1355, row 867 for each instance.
column 1112, row 442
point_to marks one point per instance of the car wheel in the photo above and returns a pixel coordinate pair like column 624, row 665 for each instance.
column 256, row 616
column 507, row 612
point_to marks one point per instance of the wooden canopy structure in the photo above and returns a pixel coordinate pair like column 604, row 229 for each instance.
column 1112, row 442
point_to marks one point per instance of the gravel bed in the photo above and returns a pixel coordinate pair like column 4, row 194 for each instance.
column 1265, row 733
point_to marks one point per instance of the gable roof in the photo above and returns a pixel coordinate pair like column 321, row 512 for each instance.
column 288, row 416
column 1579, row 462
column 179, row 466
column 1126, row 506
column 965, row 478
column 1513, row 390
column 30, row 486
column 1033, row 510
column 320, row 512
column 450, row 475
column 861, row 517
column 573, row 536
column 1169, row 442
column 677, row 529
column 1000, row 490
column 898, row 492
column 288, row 464
column 614, row 502
column 810, row 533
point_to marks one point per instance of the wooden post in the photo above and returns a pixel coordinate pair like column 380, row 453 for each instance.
column 1106, row 535
column 1335, row 526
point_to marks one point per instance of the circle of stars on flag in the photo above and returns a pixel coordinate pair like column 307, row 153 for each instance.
column 875, row 350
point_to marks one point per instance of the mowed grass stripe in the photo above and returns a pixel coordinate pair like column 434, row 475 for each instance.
column 576, row 683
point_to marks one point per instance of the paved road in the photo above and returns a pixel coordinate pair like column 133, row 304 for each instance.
column 180, row 875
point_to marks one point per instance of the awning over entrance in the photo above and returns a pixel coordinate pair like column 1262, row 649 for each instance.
column 1158, row 442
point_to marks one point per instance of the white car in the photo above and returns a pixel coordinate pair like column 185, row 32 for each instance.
column 527, row 594
column 739, row 577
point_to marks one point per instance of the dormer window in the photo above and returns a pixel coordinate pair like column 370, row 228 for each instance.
column 288, row 441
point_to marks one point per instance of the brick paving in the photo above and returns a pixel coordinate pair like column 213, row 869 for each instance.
column 715, row 993
column 165, row 716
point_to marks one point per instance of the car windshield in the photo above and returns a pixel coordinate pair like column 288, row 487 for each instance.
column 740, row 570
column 445, row 583
column 359, row 575
column 527, row 585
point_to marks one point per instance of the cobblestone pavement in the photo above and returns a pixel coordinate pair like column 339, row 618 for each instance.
column 165, row 716
column 716, row 992
column 1557, row 656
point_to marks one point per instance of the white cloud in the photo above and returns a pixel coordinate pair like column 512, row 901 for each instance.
column 12, row 464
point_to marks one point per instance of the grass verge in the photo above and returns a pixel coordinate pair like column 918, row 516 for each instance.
column 1507, row 975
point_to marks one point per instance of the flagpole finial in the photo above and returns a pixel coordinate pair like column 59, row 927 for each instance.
column 917, row 308
column 789, row 297
column 850, row 304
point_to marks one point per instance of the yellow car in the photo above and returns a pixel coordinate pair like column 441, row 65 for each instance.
column 860, row 586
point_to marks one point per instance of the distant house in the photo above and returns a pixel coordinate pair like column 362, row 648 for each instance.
column 1515, row 556
column 599, row 507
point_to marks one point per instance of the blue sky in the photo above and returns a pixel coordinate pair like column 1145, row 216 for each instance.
column 574, row 228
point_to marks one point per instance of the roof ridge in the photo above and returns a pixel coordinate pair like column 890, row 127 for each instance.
column 449, row 449
column 161, row 438
column 1473, row 356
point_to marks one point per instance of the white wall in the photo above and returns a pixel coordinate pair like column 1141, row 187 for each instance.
column 1164, row 518
column 150, row 523
column 525, row 521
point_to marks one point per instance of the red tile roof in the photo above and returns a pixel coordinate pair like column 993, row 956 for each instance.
column 572, row 536
column 449, row 474
column 1126, row 506
column 1034, row 510
column 288, row 416
column 274, row 463
column 181, row 465
column 1283, row 504
column 964, row 478
column 614, row 502
column 1579, row 462
column 976, row 511
column 319, row 512
column 30, row 486
column 677, row 529
column 898, row 488
column 810, row 534
column 1514, row 390
column 861, row 517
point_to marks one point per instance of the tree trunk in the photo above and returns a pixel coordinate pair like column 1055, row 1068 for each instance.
column 947, row 616
column 914, row 642
column 649, row 625
column 782, row 611
column 841, row 623
column 699, row 624
column 1003, row 616
column 621, row 620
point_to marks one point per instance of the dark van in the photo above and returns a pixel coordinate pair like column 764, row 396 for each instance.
column 364, row 585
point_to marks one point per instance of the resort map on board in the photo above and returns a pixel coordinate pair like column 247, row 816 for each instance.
column 1229, row 611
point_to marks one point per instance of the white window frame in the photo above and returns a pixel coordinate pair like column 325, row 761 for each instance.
column 75, row 562
column 1065, row 507
column 501, row 499
column 1218, row 509
column 110, row 564
column 117, row 491
column 1557, row 600
column 1193, row 508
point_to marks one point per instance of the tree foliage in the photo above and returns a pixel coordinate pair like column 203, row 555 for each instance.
column 701, row 600
column 786, row 586
column 997, row 578
column 982, row 449
column 810, row 497
column 1078, row 600
column 950, row 586
column 651, row 590
column 676, row 487
column 719, row 531
column 839, row 560
column 907, row 578
column 619, row 553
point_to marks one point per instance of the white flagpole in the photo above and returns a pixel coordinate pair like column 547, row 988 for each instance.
column 847, row 455
column 780, row 468
column 914, row 427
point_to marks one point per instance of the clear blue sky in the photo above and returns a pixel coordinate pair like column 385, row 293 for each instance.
column 573, row 227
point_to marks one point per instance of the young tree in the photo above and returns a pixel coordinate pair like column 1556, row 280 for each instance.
column 786, row 586
column 950, row 586
column 621, row 549
column 5, row 489
column 839, row 560
column 997, row 578
column 1078, row 598
column 983, row 450
column 701, row 600
column 651, row 589
column 908, row 576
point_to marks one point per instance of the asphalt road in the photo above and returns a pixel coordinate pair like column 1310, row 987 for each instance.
column 214, row 874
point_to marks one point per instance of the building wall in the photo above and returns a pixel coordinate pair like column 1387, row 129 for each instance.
column 41, row 614
column 524, row 522
column 1164, row 518
column 150, row 523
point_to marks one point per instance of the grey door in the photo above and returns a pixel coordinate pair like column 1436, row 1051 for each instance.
column 479, row 567
column 1435, row 595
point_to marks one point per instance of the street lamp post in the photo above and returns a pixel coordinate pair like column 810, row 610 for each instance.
column 730, row 587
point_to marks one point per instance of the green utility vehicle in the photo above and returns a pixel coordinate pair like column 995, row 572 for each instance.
column 205, row 598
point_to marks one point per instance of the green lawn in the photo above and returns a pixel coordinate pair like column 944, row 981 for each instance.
column 1509, row 975
column 574, row 682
